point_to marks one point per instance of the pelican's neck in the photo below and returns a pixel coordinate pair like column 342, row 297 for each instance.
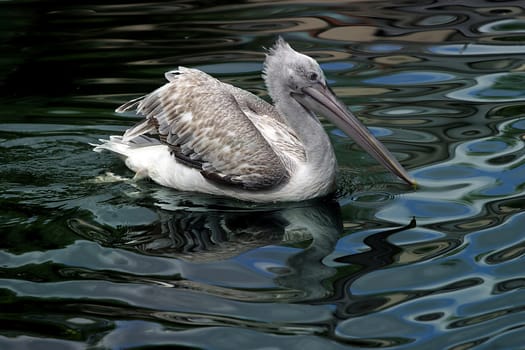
column 319, row 151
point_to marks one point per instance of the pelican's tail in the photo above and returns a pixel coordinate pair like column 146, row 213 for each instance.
column 140, row 154
column 124, row 148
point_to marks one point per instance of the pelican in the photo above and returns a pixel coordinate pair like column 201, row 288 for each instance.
column 211, row 137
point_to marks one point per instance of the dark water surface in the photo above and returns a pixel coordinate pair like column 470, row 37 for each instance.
column 91, row 259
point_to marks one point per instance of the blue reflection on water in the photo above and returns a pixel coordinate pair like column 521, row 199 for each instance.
column 476, row 49
column 487, row 146
column 410, row 78
column 337, row 66
column 384, row 48
column 493, row 87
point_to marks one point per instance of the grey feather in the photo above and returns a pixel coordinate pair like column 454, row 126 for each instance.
column 201, row 118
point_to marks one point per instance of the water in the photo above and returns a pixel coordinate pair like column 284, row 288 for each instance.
column 91, row 259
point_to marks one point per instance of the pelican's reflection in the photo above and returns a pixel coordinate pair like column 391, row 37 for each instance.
column 276, row 249
column 217, row 235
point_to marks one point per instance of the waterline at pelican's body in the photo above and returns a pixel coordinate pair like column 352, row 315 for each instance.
column 214, row 138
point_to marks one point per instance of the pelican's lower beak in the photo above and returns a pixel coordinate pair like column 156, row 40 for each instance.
column 320, row 99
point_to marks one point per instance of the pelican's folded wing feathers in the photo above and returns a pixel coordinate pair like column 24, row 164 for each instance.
column 201, row 120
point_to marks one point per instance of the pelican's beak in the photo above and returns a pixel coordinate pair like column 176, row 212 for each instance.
column 320, row 99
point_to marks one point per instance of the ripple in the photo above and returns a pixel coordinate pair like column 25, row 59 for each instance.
column 504, row 26
column 415, row 110
column 430, row 317
column 498, row 87
column 364, row 329
column 337, row 66
column 437, row 20
column 366, row 33
column 371, row 198
column 483, row 318
column 383, row 48
column 425, row 209
column 125, row 264
column 231, row 68
column 487, row 146
column 510, row 285
column 410, row 78
column 269, row 26
column 510, row 253
column 476, row 49
column 149, row 334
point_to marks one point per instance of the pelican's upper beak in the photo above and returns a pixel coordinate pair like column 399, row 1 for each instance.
column 320, row 99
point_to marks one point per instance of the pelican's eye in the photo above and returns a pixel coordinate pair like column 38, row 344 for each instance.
column 313, row 76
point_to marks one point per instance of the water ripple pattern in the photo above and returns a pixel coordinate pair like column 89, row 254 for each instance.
column 90, row 258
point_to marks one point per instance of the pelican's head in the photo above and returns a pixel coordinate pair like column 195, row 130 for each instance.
column 288, row 73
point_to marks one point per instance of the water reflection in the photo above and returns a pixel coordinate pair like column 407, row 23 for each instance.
column 287, row 245
column 480, row 171
column 383, row 255
column 113, row 264
column 500, row 87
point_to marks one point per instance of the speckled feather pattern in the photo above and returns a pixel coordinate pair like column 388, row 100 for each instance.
column 202, row 119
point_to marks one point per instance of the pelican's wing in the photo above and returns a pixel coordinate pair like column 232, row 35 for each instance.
column 201, row 120
column 271, row 125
